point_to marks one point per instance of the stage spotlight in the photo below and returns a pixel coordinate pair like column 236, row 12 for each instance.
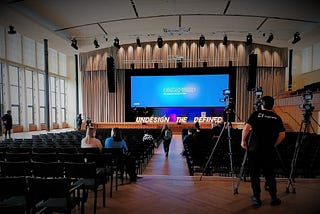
column 225, row 40
column 270, row 38
column 296, row 38
column 74, row 43
column 202, row 40
column 138, row 42
column 116, row 43
column 249, row 39
column 11, row 30
column 96, row 44
column 160, row 42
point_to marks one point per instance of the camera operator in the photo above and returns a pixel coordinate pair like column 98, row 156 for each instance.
column 267, row 132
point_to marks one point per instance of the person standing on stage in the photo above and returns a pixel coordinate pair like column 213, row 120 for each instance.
column 7, row 122
column 267, row 132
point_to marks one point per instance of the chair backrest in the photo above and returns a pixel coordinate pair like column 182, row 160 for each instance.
column 17, row 156
column 80, row 170
column 69, row 157
column 44, row 157
column 43, row 189
column 89, row 150
column 101, row 160
column 9, row 169
column 47, row 169
column 12, row 186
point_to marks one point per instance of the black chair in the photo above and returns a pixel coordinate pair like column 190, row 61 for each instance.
column 86, row 173
column 13, row 192
column 55, row 195
column 104, row 163
column 118, row 161
column 11, row 169
column 47, row 169
column 46, row 149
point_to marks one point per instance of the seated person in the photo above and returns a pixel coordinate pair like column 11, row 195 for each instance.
column 116, row 141
column 148, row 138
column 187, row 141
column 89, row 141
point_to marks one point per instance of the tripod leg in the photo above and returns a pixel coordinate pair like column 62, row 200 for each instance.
column 299, row 140
column 240, row 177
column 230, row 154
column 214, row 148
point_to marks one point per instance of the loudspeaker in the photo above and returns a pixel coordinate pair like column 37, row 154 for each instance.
column 205, row 64
column 252, row 71
column 179, row 64
column 156, row 65
column 132, row 66
column 110, row 75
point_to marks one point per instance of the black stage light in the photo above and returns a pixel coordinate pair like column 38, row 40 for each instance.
column 116, row 43
column 249, row 39
column 296, row 38
column 96, row 44
column 270, row 38
column 225, row 40
column 11, row 30
column 160, row 42
column 202, row 40
column 138, row 42
column 74, row 43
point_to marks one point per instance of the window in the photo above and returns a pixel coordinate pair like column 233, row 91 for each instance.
column 30, row 96
column 63, row 100
column 14, row 94
column 53, row 93
column 1, row 91
column 41, row 98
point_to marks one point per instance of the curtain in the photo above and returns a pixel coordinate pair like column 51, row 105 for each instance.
column 102, row 106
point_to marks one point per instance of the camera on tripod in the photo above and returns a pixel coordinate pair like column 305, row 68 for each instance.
column 228, row 113
column 258, row 103
column 306, row 106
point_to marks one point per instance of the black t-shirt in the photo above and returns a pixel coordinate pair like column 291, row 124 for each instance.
column 266, row 126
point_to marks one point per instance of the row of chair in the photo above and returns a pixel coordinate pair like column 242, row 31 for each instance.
column 308, row 162
column 98, row 169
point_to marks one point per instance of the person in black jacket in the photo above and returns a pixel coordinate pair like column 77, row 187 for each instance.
column 7, row 122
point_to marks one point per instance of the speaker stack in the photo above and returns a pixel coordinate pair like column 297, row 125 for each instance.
column 110, row 75
column 252, row 72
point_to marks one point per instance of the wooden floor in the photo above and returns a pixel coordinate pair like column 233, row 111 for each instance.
column 165, row 187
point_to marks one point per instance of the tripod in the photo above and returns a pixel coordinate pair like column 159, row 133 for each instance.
column 304, row 125
column 229, row 126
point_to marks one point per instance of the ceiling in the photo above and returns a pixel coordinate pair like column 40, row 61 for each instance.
column 85, row 20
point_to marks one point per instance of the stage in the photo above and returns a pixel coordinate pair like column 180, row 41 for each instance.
column 175, row 127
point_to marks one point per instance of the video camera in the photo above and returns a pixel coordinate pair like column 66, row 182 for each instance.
column 229, row 109
column 258, row 103
column 306, row 106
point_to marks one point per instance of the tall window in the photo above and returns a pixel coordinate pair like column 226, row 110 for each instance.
column 41, row 98
column 1, row 90
column 53, row 90
column 63, row 100
column 30, row 96
column 14, row 94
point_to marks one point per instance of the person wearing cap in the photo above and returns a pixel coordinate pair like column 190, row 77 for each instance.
column 7, row 122
column 267, row 131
